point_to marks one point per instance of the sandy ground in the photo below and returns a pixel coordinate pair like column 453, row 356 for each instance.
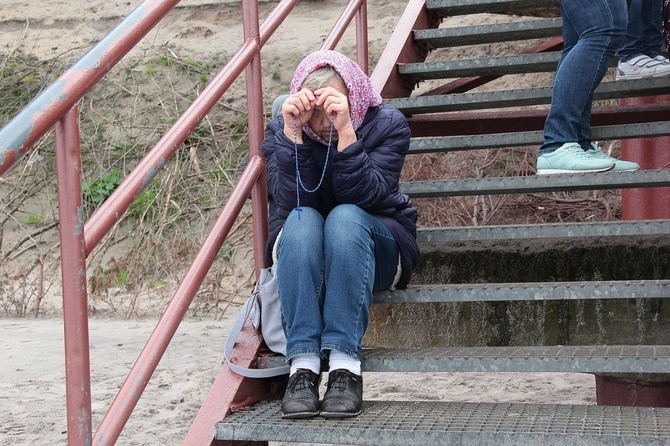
column 32, row 377
column 32, row 396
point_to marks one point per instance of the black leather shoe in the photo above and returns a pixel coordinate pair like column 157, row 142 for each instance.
column 344, row 397
column 302, row 395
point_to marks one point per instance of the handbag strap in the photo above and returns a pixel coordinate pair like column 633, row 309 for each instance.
column 232, row 339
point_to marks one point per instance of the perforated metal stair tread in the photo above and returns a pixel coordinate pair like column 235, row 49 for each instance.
column 545, row 231
column 410, row 423
column 490, row 66
column 462, row 7
column 537, row 183
column 531, row 138
column 573, row 359
column 508, row 292
column 491, row 33
column 522, row 97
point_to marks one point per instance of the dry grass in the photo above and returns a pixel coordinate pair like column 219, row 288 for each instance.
column 135, row 269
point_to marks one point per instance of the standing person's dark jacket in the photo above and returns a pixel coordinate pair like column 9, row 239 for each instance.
column 365, row 174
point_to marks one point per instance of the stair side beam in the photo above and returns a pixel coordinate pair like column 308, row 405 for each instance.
column 402, row 48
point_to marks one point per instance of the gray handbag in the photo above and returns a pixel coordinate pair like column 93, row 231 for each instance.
column 264, row 310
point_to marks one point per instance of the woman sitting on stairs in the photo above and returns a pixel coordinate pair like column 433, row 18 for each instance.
column 340, row 229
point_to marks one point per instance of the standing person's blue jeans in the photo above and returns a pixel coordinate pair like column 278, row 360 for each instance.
column 643, row 35
column 593, row 31
column 327, row 271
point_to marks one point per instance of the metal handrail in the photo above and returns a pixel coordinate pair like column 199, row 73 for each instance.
column 41, row 114
column 57, row 106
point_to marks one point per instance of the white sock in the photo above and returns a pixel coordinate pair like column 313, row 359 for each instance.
column 339, row 360
column 309, row 361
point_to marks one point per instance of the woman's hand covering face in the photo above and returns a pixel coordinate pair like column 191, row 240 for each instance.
column 319, row 109
column 335, row 105
column 297, row 108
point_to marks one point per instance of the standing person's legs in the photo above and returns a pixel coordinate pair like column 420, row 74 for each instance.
column 640, row 54
column 600, row 26
column 652, row 27
column 593, row 31
column 633, row 42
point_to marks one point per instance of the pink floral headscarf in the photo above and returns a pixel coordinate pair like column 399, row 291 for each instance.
column 362, row 95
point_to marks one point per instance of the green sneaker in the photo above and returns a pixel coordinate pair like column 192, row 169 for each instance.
column 571, row 158
column 619, row 165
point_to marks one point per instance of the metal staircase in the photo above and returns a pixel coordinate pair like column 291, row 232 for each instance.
column 619, row 269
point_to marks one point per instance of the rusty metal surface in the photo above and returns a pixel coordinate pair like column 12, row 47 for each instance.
column 73, row 267
column 129, row 394
column 229, row 390
column 401, row 48
column 649, row 153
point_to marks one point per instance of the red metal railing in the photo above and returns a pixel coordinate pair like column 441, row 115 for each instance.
column 57, row 106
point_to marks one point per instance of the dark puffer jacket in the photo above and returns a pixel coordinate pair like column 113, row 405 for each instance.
column 366, row 174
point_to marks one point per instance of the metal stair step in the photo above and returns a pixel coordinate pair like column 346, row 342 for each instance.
column 522, row 97
column 573, row 359
column 491, row 33
column 507, row 292
column 560, row 358
column 413, row 423
column 531, row 138
column 490, row 66
column 456, row 236
column 463, row 7
column 537, row 183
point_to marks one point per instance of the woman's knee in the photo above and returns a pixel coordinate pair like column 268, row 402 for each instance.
column 302, row 228
column 343, row 217
column 346, row 225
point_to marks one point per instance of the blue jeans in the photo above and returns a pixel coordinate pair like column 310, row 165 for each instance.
column 327, row 271
column 644, row 33
column 592, row 33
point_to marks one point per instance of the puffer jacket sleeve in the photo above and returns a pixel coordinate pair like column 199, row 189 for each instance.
column 368, row 172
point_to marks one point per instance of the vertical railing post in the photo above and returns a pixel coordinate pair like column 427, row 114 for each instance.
column 73, row 267
column 362, row 37
column 256, row 124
